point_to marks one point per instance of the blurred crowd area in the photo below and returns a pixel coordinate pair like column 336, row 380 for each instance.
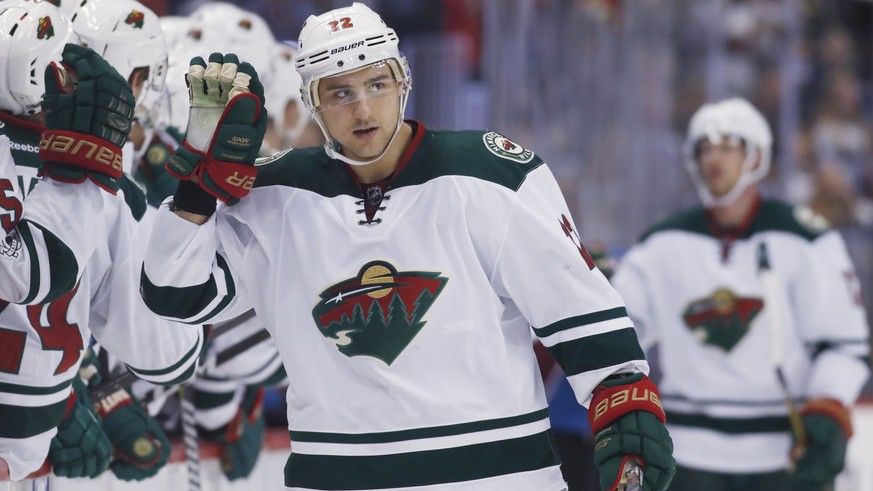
column 603, row 91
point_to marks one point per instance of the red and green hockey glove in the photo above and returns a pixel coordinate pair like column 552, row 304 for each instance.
column 628, row 423
column 242, row 438
column 226, row 126
column 80, row 449
column 828, row 428
column 141, row 446
column 89, row 112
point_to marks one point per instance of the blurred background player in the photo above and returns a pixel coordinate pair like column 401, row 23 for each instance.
column 739, row 296
column 74, row 279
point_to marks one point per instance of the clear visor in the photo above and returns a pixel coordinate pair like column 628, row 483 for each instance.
column 374, row 81
column 717, row 142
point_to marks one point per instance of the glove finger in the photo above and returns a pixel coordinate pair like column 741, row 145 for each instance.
column 210, row 76
column 253, row 82
column 228, row 72
column 194, row 79
column 57, row 79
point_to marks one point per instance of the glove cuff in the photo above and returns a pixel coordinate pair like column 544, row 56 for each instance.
column 82, row 151
column 833, row 409
column 192, row 198
column 610, row 403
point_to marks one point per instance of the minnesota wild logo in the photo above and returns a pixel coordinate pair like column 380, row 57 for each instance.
column 504, row 147
column 135, row 18
column 45, row 29
column 722, row 319
column 378, row 312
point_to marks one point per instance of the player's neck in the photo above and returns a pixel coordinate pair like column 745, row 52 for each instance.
column 383, row 167
column 737, row 212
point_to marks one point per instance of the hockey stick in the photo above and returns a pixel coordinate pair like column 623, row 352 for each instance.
column 189, row 438
column 127, row 377
column 774, row 303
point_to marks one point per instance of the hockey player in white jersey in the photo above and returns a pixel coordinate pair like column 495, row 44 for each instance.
column 63, row 278
column 399, row 271
column 128, row 35
column 754, row 307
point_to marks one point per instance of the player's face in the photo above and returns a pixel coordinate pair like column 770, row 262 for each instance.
column 360, row 109
column 721, row 163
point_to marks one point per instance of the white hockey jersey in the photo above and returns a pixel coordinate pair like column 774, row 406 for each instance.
column 700, row 298
column 406, row 333
column 74, row 258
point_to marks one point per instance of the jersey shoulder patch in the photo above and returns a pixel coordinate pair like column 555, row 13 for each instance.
column 505, row 148
column 797, row 220
column 469, row 153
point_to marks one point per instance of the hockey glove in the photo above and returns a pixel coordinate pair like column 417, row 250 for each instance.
column 89, row 111
column 628, row 423
column 828, row 428
column 141, row 446
column 226, row 126
column 241, row 439
column 80, row 449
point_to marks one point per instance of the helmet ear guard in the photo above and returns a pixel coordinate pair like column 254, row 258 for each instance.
column 734, row 117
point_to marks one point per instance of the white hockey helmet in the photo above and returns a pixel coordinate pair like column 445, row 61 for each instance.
column 737, row 118
column 344, row 40
column 128, row 35
column 231, row 29
column 32, row 35
column 284, row 89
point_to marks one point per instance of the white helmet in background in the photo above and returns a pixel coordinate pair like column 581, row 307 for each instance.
column 128, row 35
column 32, row 35
column 735, row 118
column 284, row 89
column 344, row 40
column 230, row 29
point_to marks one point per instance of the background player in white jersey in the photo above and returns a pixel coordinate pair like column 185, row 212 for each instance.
column 72, row 277
column 399, row 270
column 128, row 35
column 737, row 295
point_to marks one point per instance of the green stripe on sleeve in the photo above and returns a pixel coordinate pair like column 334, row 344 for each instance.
column 27, row 238
column 63, row 268
column 210, row 400
column 598, row 351
column 151, row 374
column 34, row 391
column 25, row 422
column 426, row 468
column 581, row 320
column 419, row 433
column 188, row 301
column 734, row 426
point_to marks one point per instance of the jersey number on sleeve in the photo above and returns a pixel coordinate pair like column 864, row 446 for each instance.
column 10, row 206
column 58, row 335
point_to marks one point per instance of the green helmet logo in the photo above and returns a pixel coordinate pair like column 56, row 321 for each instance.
column 135, row 18
column 378, row 312
column 45, row 29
